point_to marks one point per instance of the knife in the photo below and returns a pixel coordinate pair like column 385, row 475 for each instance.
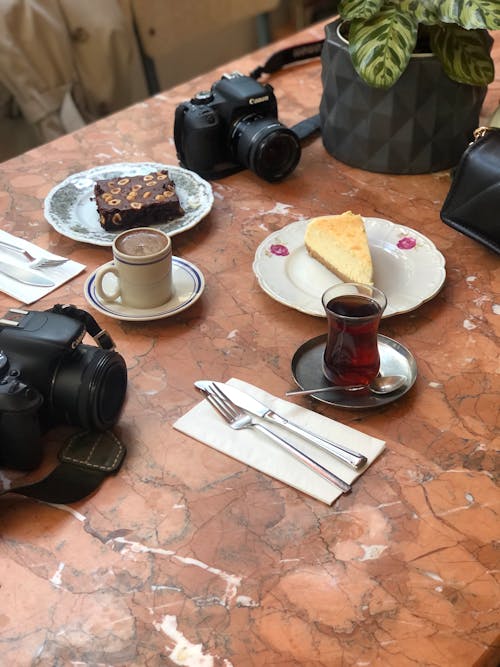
column 250, row 404
column 26, row 276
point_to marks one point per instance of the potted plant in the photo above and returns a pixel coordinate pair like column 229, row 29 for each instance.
column 404, row 81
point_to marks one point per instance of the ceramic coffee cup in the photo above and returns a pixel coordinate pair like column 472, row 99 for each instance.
column 142, row 266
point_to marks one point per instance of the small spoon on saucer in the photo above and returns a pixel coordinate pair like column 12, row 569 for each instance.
column 382, row 384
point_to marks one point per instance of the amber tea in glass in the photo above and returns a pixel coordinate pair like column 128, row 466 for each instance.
column 353, row 314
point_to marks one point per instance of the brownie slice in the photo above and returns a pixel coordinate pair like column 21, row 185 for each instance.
column 136, row 201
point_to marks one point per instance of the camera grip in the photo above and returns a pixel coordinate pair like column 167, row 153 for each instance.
column 99, row 277
column 19, row 424
column 21, row 446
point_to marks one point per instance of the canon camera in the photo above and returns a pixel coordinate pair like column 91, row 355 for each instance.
column 234, row 126
column 48, row 377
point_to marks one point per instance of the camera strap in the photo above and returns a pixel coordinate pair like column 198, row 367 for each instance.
column 85, row 461
column 289, row 56
column 101, row 336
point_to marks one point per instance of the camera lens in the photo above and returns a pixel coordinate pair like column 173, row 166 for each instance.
column 89, row 388
column 265, row 146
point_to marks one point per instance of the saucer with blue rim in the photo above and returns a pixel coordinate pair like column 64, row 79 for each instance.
column 188, row 284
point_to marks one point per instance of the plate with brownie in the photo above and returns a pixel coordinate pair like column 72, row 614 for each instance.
column 296, row 264
column 94, row 205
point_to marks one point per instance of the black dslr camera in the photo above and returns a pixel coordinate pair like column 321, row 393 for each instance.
column 232, row 127
column 48, row 377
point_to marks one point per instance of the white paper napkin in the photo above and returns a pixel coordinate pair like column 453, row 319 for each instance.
column 30, row 293
column 256, row 450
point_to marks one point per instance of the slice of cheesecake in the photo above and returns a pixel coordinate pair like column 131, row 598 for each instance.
column 339, row 242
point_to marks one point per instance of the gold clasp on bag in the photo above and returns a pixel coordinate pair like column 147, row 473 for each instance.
column 481, row 131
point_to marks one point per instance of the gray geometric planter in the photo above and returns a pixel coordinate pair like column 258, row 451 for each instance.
column 423, row 123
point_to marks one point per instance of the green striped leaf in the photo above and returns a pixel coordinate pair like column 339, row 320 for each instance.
column 381, row 46
column 358, row 9
column 464, row 54
column 470, row 14
column 425, row 11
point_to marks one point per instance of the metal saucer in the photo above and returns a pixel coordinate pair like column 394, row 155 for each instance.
column 395, row 359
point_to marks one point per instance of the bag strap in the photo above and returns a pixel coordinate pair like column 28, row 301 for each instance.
column 84, row 463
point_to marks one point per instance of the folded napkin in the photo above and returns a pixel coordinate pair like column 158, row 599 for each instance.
column 29, row 293
column 256, row 450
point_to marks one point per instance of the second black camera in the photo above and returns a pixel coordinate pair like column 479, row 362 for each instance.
column 234, row 126
column 49, row 377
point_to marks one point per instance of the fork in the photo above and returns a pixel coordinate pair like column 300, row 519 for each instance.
column 238, row 419
column 35, row 262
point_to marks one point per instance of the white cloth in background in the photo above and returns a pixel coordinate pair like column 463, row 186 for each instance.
column 64, row 63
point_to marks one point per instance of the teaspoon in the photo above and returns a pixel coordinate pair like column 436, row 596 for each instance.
column 380, row 385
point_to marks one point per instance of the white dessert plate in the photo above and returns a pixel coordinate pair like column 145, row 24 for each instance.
column 408, row 267
column 188, row 285
column 71, row 209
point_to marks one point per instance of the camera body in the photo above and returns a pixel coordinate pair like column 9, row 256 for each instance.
column 48, row 377
column 234, row 126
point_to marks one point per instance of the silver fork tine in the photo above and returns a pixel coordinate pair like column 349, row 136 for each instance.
column 228, row 404
column 239, row 419
column 35, row 262
column 46, row 261
column 220, row 407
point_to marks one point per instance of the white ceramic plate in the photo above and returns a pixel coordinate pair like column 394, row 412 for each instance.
column 408, row 268
column 70, row 207
column 188, row 285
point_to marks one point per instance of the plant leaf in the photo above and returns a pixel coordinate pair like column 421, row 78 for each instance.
column 425, row 10
column 464, row 54
column 381, row 46
column 358, row 9
column 470, row 14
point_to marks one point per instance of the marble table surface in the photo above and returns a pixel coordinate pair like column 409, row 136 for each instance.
column 188, row 557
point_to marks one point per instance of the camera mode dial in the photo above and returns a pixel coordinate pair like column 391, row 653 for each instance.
column 203, row 97
column 4, row 364
column 15, row 396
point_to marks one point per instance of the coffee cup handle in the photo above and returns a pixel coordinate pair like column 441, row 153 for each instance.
column 99, row 277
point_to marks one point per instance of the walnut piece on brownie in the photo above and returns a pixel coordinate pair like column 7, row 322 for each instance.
column 136, row 201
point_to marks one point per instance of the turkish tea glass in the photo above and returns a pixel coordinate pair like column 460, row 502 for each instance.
column 353, row 312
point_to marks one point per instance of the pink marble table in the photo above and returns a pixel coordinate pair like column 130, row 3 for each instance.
column 187, row 557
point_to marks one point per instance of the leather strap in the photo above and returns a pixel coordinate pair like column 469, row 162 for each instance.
column 308, row 127
column 101, row 336
column 86, row 460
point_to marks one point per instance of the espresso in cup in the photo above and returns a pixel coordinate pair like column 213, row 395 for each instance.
column 142, row 267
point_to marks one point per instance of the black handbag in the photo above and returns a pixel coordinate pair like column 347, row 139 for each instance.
column 472, row 205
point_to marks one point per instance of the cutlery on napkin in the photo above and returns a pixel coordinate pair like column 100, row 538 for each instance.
column 251, row 405
column 255, row 450
column 30, row 293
